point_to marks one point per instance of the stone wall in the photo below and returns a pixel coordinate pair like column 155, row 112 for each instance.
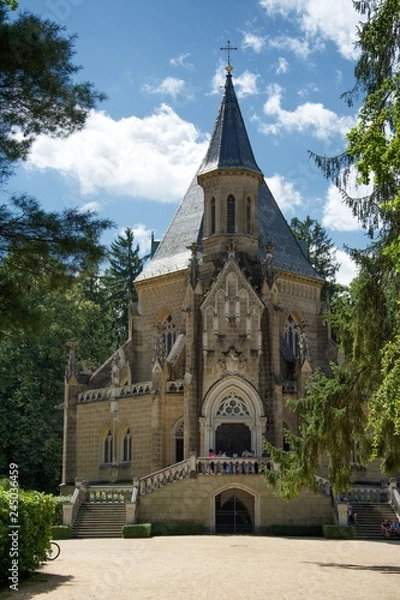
column 193, row 500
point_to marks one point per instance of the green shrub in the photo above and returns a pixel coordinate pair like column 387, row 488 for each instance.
column 25, row 532
column 137, row 530
column 178, row 529
column 295, row 530
column 58, row 513
column 61, row 532
column 338, row 532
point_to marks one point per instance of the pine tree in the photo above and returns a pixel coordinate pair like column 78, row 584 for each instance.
column 125, row 265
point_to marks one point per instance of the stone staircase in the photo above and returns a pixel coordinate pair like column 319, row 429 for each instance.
column 99, row 520
column 370, row 517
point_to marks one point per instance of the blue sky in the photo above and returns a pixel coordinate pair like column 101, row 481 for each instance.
column 160, row 64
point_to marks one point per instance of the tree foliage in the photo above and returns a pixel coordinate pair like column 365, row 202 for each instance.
column 359, row 405
column 39, row 95
column 319, row 249
column 32, row 374
column 124, row 265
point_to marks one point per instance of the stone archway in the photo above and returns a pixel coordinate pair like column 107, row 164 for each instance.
column 234, row 512
column 232, row 418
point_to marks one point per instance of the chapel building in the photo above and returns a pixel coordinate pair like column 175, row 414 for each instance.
column 228, row 327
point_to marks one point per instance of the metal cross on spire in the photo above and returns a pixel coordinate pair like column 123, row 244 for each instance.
column 228, row 49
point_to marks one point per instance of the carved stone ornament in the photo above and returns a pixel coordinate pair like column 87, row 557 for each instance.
column 232, row 362
column 70, row 368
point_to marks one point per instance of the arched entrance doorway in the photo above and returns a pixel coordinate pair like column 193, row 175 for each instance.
column 233, row 438
column 234, row 512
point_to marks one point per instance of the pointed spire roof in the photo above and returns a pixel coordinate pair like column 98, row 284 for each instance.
column 229, row 146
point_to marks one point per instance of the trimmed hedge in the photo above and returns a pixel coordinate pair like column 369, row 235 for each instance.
column 25, row 532
column 137, row 530
column 295, row 530
column 61, row 532
column 338, row 532
column 178, row 529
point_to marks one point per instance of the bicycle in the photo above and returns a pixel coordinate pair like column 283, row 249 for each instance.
column 54, row 551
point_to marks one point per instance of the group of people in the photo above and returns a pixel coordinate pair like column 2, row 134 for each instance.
column 229, row 467
column 390, row 529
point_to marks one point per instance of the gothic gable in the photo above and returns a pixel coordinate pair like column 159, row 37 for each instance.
column 232, row 313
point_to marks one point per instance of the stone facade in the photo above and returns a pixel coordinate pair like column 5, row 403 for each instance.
column 227, row 328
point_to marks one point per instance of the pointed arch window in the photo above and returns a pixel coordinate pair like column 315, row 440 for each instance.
column 127, row 446
column 292, row 335
column 168, row 335
column 212, row 216
column 231, row 214
column 248, row 214
column 108, row 448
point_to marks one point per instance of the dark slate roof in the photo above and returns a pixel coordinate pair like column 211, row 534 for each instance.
column 229, row 146
column 187, row 227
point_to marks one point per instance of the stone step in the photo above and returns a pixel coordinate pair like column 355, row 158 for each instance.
column 369, row 519
column 99, row 520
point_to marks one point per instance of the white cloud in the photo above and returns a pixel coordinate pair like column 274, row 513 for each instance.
column 170, row 86
column 334, row 21
column 153, row 158
column 284, row 193
column 312, row 118
column 337, row 216
column 255, row 42
column 282, row 67
column 246, row 84
column 299, row 46
column 309, row 88
column 142, row 236
column 180, row 61
column 347, row 270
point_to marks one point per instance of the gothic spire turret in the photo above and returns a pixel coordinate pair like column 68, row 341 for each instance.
column 229, row 146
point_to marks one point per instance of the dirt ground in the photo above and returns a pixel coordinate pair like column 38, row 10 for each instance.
column 218, row 568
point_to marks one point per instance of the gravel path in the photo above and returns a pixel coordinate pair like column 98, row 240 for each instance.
column 218, row 568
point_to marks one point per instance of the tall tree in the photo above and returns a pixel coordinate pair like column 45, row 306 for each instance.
column 124, row 266
column 361, row 403
column 318, row 246
column 38, row 95
column 32, row 373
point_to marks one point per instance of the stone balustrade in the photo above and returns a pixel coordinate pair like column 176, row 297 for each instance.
column 175, row 386
column 370, row 494
column 163, row 477
column 100, row 494
column 135, row 389
column 70, row 509
column 232, row 466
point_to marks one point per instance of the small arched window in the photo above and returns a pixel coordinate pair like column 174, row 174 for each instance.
column 108, row 448
column 212, row 216
column 248, row 214
column 230, row 214
column 127, row 446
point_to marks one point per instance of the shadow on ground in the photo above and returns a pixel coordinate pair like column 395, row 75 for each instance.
column 37, row 584
column 391, row 569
